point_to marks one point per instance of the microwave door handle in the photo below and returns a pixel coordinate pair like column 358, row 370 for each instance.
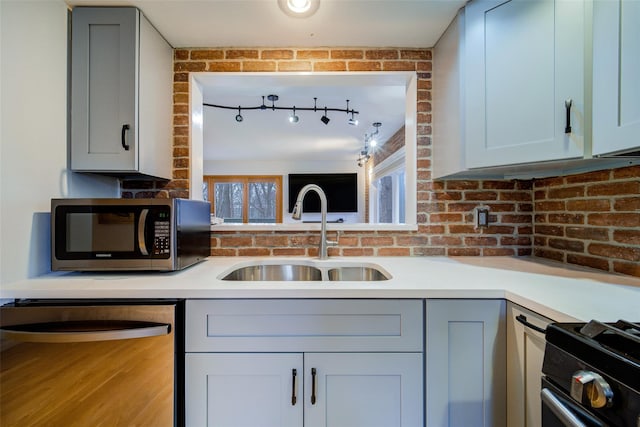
column 142, row 222
column 84, row 331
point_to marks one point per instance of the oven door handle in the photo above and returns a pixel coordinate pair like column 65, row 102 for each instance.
column 84, row 331
column 556, row 406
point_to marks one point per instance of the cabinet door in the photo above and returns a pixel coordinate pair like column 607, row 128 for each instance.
column 243, row 390
column 448, row 100
column 363, row 389
column 616, row 67
column 465, row 360
column 525, row 352
column 523, row 60
column 104, row 88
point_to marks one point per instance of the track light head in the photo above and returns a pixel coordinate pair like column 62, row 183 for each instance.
column 352, row 120
column 293, row 118
column 239, row 117
column 324, row 118
column 369, row 143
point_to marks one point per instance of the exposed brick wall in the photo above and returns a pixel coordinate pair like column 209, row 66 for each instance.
column 390, row 146
column 590, row 219
column 444, row 210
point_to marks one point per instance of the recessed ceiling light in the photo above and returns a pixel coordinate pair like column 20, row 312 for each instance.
column 299, row 8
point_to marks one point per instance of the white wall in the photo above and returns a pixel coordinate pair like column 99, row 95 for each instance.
column 33, row 145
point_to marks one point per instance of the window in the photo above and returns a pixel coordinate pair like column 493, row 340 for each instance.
column 387, row 192
column 244, row 199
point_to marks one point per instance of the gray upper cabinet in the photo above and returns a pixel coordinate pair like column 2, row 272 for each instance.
column 121, row 94
column 524, row 60
column 514, row 92
column 616, row 67
column 503, row 71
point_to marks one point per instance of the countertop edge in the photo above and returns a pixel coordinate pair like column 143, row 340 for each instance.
column 554, row 291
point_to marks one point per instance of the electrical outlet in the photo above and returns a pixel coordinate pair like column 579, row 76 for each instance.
column 481, row 217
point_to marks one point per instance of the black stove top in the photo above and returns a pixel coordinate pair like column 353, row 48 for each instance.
column 613, row 348
column 596, row 366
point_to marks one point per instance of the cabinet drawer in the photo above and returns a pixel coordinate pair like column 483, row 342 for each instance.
column 304, row 325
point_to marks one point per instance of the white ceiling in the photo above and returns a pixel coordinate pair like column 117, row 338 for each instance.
column 265, row 135
column 238, row 23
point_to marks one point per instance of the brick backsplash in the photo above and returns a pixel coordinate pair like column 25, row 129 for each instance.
column 551, row 218
column 590, row 219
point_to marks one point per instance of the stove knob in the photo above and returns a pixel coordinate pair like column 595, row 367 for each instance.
column 589, row 388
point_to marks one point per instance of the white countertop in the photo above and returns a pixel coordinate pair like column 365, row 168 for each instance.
column 557, row 291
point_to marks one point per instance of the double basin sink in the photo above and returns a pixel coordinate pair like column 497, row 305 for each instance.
column 307, row 271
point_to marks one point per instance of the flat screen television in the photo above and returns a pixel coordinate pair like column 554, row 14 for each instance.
column 341, row 190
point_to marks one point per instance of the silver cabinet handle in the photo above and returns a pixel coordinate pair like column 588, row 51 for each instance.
column 294, row 386
column 559, row 410
column 84, row 331
column 314, row 385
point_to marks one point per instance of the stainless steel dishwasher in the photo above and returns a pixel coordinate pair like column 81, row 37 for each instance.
column 91, row 363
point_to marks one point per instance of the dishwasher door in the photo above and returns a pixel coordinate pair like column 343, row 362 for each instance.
column 88, row 364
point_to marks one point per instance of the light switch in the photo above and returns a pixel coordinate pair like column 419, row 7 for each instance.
column 481, row 216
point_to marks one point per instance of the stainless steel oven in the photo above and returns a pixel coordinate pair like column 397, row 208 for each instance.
column 83, row 363
column 591, row 375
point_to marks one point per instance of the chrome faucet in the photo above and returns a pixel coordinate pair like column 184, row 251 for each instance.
column 297, row 214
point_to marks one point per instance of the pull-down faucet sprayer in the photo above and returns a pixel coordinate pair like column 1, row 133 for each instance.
column 297, row 214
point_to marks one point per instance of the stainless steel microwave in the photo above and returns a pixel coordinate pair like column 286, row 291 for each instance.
column 128, row 234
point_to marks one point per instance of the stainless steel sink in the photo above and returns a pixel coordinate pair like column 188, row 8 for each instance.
column 356, row 274
column 275, row 272
column 292, row 271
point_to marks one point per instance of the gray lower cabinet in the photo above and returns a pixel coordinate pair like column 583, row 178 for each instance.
column 465, row 363
column 525, row 352
column 315, row 363
column 121, row 94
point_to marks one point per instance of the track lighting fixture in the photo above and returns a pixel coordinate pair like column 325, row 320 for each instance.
column 372, row 138
column 369, row 143
column 324, row 118
column 352, row 121
column 293, row 118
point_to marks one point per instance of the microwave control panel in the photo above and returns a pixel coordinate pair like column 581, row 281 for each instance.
column 161, row 238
